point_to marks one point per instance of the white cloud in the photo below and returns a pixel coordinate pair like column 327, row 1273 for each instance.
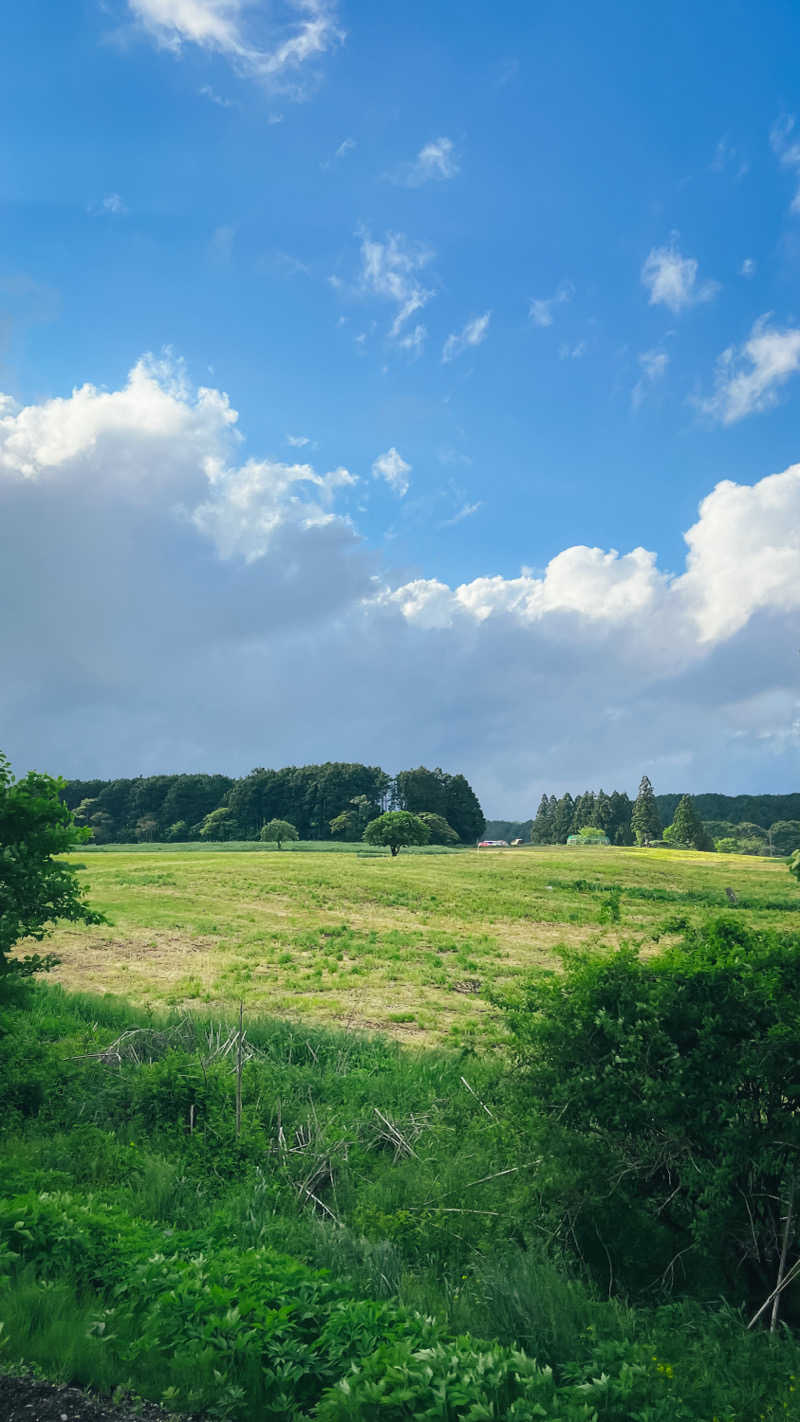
column 233, row 587
column 158, row 435
column 390, row 269
column 298, row 441
column 654, row 367
column 748, row 380
column 568, row 351
column 466, row 511
column 672, row 279
column 346, row 146
column 748, row 267
column 434, row 162
column 208, row 92
column 472, row 334
column 394, row 469
column 786, row 144
column 112, row 203
column 413, row 341
column 301, row 31
column 541, row 310
column 744, row 554
column 728, row 159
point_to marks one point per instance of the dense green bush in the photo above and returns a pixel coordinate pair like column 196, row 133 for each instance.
column 671, row 1087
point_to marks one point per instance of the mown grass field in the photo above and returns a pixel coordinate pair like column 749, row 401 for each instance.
column 410, row 946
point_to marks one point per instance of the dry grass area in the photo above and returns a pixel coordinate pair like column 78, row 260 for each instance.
column 409, row 945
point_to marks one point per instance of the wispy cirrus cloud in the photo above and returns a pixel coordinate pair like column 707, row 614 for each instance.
column 391, row 269
column 466, row 511
column 728, row 159
column 541, row 310
column 749, row 378
column 473, row 334
column 436, row 161
column 346, row 146
column 653, row 365
column 785, row 142
column 672, row 280
column 299, row 31
column 394, row 470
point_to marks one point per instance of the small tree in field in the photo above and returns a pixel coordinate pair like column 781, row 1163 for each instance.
column 396, row 828
column 277, row 831
column 35, row 889
column 794, row 865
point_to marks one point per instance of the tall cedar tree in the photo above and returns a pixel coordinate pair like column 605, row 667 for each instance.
column 645, row 821
column 601, row 819
column 583, row 813
column 562, row 819
column 687, row 826
column 543, row 827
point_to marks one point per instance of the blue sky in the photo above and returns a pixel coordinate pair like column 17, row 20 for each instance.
column 528, row 275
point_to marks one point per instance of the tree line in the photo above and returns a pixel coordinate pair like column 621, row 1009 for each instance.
column 679, row 820
column 330, row 801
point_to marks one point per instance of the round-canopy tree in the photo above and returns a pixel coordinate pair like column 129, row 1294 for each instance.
column 441, row 831
column 276, row 831
column 396, row 828
column 35, row 889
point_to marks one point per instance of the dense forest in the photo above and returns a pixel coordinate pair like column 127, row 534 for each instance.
column 334, row 800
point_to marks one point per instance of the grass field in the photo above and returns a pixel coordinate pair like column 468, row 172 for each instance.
column 409, row 945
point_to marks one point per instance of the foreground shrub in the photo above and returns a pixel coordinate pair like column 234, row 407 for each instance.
column 672, row 1089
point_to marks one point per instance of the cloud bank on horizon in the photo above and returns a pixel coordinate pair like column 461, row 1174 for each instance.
column 182, row 600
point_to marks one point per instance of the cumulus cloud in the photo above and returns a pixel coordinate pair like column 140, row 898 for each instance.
column 391, row 270
column 748, row 267
column 541, row 310
column 434, row 162
column 191, row 604
column 672, row 280
column 300, row 31
column 472, row 334
column 785, row 143
column 394, row 469
column 749, row 378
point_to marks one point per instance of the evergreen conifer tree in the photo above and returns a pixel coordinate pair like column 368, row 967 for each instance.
column 645, row 821
column 562, row 818
column 543, row 827
column 687, row 827
column 583, row 813
column 619, row 829
column 601, row 818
